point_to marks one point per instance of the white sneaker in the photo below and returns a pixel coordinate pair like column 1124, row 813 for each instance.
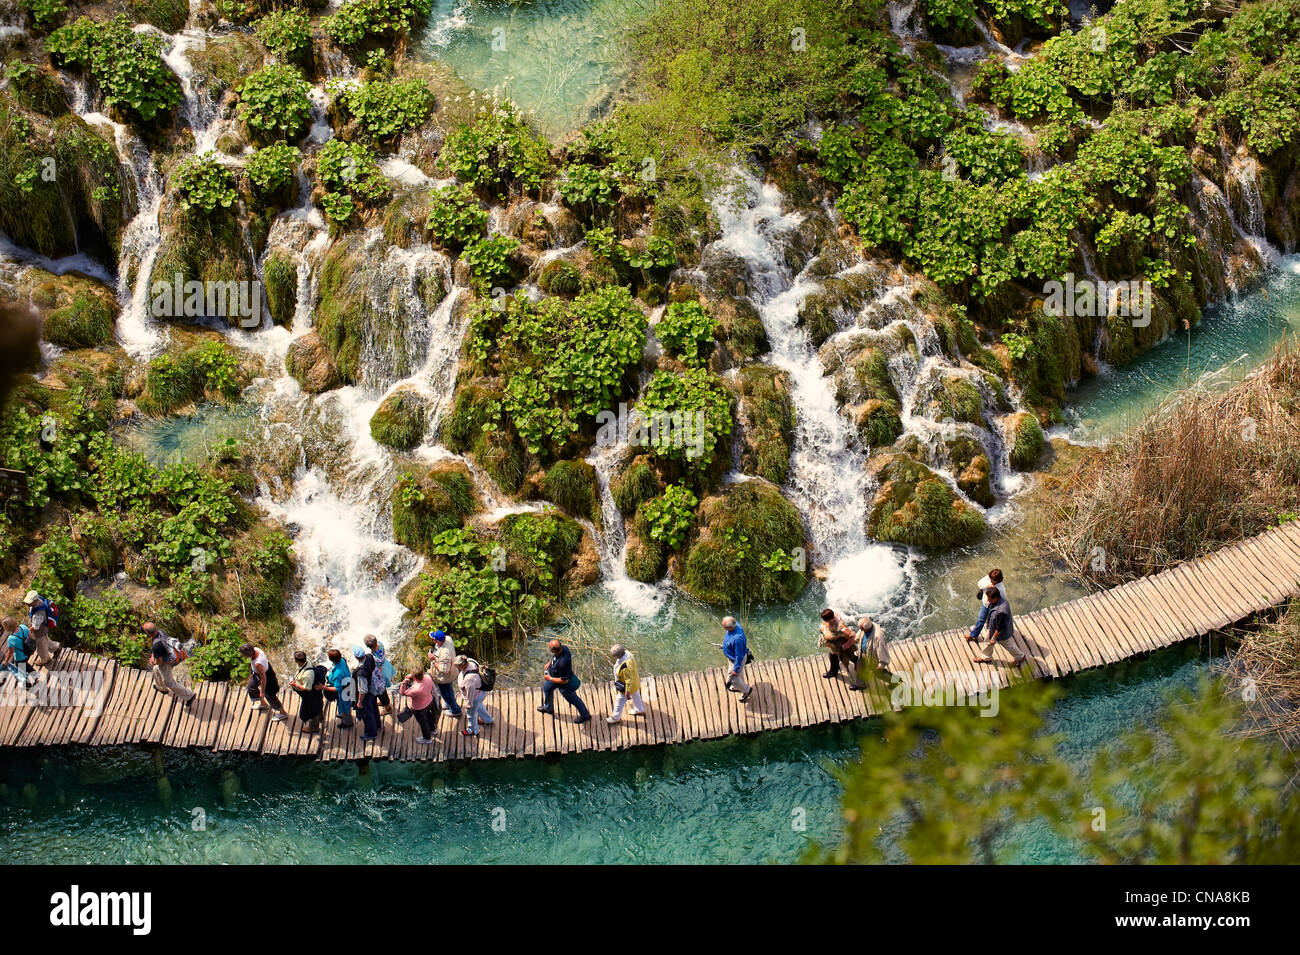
column 279, row 717
column 256, row 705
column 613, row 719
column 638, row 712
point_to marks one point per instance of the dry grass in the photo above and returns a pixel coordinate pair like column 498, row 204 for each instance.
column 1204, row 470
column 1267, row 670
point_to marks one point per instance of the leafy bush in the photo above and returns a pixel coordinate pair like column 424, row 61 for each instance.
column 361, row 21
column 351, row 178
column 273, row 103
column 109, row 625
column 497, row 152
column 286, row 33
column 205, row 184
column 572, row 486
column 697, row 405
column 488, row 259
column 45, row 12
column 686, row 330
column 671, row 515
column 59, row 564
column 127, row 66
column 455, row 216
column 217, row 656
column 384, row 109
column 271, row 168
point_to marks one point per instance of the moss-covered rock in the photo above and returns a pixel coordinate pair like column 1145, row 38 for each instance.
column 823, row 312
column 542, row 551
column 636, row 483
column 766, row 417
column 560, row 277
column 645, row 558
column 958, row 398
column 498, row 450
column 571, row 485
column 914, row 506
column 280, row 281
column 739, row 528
column 309, row 363
column 223, row 60
column 972, row 469
column 401, row 420
column 740, row 329
column 79, row 312
column 1024, row 440
column 198, row 247
column 425, row 505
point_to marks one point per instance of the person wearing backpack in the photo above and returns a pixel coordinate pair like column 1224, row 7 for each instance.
column 18, row 648
column 442, row 657
column 309, row 684
column 418, row 690
column 165, row 653
column 385, row 672
column 363, row 683
column 42, row 620
column 263, row 686
column 471, row 687
column 339, row 679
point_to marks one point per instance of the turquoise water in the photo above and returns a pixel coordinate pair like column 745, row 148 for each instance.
column 1232, row 338
column 730, row 801
column 193, row 437
column 559, row 60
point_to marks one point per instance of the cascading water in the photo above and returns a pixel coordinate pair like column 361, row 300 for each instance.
column 828, row 478
column 642, row 600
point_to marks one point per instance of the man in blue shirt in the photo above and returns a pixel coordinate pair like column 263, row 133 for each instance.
column 559, row 675
column 735, row 649
column 339, row 679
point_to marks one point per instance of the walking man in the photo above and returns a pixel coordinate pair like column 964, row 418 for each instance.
column 166, row 652
column 263, row 687
column 367, row 701
column 442, row 657
column 18, row 647
column 736, row 650
column 1001, row 629
column 310, row 687
column 42, row 620
column 992, row 579
column 558, row 675
column 627, row 684
column 471, row 687
column 339, row 679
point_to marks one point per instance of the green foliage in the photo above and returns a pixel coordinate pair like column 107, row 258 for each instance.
column 351, row 178
column 561, row 362
column 687, row 331
column 211, row 368
column 400, row 421
column 358, row 22
column 946, row 784
column 127, row 66
column 426, row 507
column 455, row 216
column 203, row 183
column 59, row 564
column 286, row 33
column 109, row 625
column 280, row 280
column 694, row 411
column 634, row 486
column 489, row 261
column 218, row 657
column 572, row 486
column 385, row 109
column 84, row 322
column 45, row 12
column 271, row 168
column 497, row 153
column 671, row 515
column 273, row 103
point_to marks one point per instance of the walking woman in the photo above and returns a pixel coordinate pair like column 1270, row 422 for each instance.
column 841, row 645
column 418, row 690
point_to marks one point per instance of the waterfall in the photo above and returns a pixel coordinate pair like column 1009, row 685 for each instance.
column 641, row 599
column 828, row 478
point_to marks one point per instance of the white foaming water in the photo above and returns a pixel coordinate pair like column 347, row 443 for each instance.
column 633, row 596
column 828, row 478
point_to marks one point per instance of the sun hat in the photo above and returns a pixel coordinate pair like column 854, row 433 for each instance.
column 438, row 635
column 31, row 598
column 359, row 652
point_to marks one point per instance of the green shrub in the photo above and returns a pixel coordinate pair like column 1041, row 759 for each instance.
column 351, row 178
column 280, row 280
column 203, row 183
column 916, row 507
column 496, row 153
column 634, row 486
column 286, row 33
column 217, row 657
column 455, row 216
column 271, row 168
column 59, row 564
column 273, row 103
column 1027, row 441
column 362, row 21
column 423, row 508
column 694, row 411
column 127, row 66
column 489, row 260
column 559, row 277
column 45, row 12
column 109, row 625
column 686, row 331
column 85, row 322
column 671, row 516
column 385, row 109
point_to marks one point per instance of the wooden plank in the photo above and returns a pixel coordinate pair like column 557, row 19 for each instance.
column 1069, row 658
column 1109, row 624
column 1084, row 628
column 1173, row 616
column 1063, row 632
column 1188, row 584
column 1121, row 606
column 1272, row 555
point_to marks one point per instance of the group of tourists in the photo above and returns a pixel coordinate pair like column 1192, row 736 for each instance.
column 458, row 684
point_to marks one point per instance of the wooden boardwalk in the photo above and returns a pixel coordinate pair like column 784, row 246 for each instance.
column 1185, row 601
